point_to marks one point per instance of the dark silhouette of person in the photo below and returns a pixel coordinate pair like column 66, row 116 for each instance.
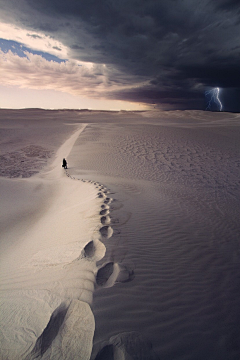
column 64, row 164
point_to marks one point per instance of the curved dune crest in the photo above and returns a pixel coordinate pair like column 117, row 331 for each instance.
column 52, row 271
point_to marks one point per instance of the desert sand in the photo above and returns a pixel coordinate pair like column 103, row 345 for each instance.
column 130, row 253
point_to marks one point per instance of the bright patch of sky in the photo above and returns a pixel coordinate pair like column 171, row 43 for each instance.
column 35, row 41
column 13, row 97
column 19, row 49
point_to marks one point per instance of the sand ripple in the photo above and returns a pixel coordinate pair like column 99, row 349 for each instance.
column 180, row 185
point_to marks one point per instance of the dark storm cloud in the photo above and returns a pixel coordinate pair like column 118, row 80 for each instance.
column 175, row 49
column 229, row 5
column 223, row 76
column 155, row 96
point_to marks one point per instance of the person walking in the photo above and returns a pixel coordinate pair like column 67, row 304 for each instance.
column 64, row 164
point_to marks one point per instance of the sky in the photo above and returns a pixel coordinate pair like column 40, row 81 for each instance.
column 120, row 54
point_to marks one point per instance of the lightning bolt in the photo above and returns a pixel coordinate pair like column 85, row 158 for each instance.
column 213, row 96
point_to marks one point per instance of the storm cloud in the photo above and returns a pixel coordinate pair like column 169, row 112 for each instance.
column 158, row 52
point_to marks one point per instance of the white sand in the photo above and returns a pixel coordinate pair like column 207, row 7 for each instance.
column 44, row 269
column 163, row 282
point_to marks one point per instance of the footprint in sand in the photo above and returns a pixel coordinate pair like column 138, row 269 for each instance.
column 104, row 274
column 106, row 232
column 125, row 274
column 89, row 250
column 112, row 273
column 103, row 206
column 107, row 200
column 105, row 220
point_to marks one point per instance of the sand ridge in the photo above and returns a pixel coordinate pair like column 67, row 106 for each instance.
column 49, row 280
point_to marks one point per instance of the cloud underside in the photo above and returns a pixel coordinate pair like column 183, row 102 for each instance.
column 96, row 81
column 155, row 51
column 33, row 71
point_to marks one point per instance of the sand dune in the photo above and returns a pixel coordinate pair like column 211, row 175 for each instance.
column 133, row 252
column 48, row 273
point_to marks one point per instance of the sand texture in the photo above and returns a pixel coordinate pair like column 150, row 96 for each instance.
column 133, row 252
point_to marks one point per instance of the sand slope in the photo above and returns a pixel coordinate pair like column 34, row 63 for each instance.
column 46, row 278
column 145, row 269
